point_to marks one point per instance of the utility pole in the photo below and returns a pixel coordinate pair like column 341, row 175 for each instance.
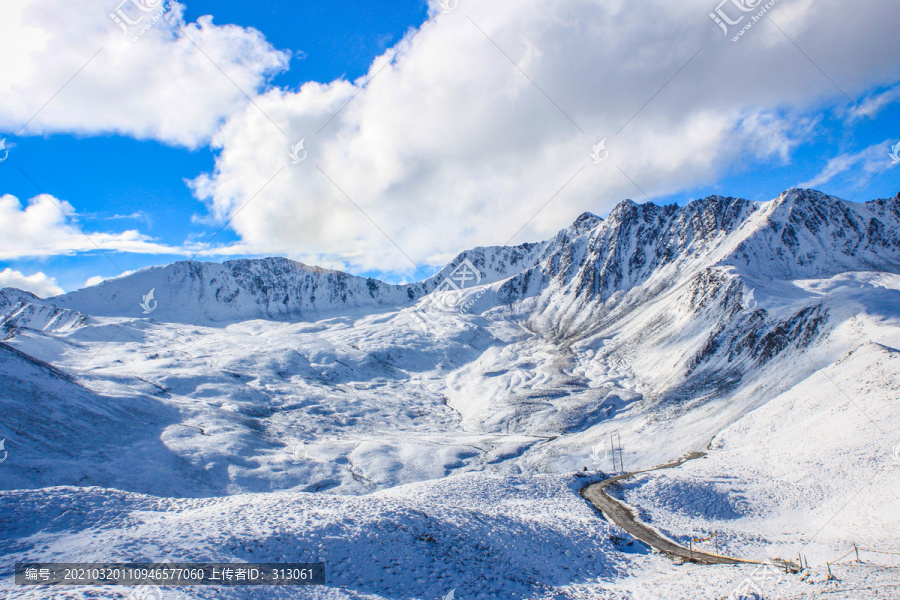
column 615, row 444
column 621, row 455
column 612, row 451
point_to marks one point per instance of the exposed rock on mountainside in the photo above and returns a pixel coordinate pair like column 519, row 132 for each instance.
column 658, row 320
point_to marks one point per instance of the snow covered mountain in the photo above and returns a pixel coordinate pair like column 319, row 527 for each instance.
column 22, row 309
column 676, row 328
column 269, row 288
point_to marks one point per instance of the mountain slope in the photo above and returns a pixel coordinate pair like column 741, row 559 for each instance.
column 765, row 332
column 270, row 288
column 57, row 430
column 657, row 321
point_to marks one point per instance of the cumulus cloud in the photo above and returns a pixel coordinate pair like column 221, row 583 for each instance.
column 175, row 83
column 475, row 129
column 461, row 133
column 46, row 227
column 38, row 284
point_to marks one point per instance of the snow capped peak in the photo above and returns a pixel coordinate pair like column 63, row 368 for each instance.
column 21, row 309
column 492, row 263
column 10, row 296
column 271, row 263
column 628, row 208
column 801, row 196
column 585, row 221
column 805, row 233
column 801, row 233
column 269, row 288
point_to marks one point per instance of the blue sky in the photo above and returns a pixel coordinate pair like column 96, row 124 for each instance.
column 118, row 177
column 119, row 182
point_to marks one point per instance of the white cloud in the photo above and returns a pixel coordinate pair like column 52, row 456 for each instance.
column 160, row 87
column 45, row 228
column 450, row 145
column 874, row 104
column 861, row 165
column 38, row 284
column 446, row 143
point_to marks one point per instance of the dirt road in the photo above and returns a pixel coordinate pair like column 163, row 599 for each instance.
column 623, row 516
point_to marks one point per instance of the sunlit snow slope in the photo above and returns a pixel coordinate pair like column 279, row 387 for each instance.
column 765, row 331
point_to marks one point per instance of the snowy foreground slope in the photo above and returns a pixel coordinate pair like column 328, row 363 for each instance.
column 425, row 437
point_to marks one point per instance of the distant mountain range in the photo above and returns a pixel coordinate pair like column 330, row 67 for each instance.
column 800, row 234
column 671, row 321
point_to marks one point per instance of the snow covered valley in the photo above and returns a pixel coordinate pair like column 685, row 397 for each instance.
column 431, row 437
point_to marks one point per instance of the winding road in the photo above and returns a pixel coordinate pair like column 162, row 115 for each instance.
column 622, row 515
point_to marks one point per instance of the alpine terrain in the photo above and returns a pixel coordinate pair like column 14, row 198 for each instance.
column 433, row 437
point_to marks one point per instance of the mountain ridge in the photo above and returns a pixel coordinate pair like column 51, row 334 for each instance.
column 605, row 256
column 693, row 266
column 650, row 322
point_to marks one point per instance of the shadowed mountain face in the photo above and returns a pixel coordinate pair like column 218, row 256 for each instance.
column 660, row 321
column 63, row 432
